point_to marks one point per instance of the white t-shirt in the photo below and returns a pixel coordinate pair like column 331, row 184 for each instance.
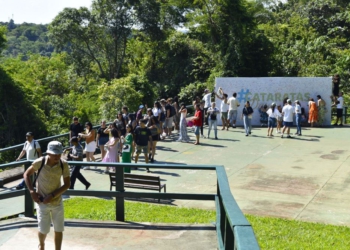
column 30, row 150
column 233, row 103
column 224, row 106
column 156, row 112
column 207, row 99
column 273, row 114
column 297, row 109
column 341, row 102
column 288, row 111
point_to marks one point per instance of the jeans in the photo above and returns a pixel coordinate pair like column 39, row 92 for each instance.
column 213, row 123
column 77, row 175
column 298, row 123
column 247, row 124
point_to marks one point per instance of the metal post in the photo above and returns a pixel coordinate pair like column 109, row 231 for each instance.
column 345, row 114
column 28, row 201
column 119, row 201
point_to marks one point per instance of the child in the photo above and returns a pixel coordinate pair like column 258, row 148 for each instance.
column 77, row 155
column 279, row 119
column 263, row 116
column 142, row 137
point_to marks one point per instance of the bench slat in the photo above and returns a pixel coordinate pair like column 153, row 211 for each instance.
column 144, row 182
column 143, row 177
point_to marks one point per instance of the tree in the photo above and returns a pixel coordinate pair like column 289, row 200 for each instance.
column 2, row 38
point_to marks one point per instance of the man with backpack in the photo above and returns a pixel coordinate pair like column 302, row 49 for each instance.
column 32, row 149
column 170, row 112
column 49, row 189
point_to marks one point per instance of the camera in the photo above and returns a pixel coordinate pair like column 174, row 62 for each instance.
column 41, row 199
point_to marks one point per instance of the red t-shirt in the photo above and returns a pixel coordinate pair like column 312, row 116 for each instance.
column 198, row 122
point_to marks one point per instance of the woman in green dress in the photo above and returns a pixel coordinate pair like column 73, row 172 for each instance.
column 127, row 147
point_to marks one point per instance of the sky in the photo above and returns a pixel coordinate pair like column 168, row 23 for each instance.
column 36, row 11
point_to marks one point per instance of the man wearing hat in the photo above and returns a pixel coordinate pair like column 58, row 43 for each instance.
column 287, row 113
column 32, row 150
column 207, row 104
column 48, row 192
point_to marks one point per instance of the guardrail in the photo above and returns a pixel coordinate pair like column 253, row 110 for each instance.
column 233, row 229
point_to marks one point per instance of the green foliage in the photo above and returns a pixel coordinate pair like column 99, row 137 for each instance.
column 130, row 91
column 18, row 114
column 26, row 38
column 2, row 38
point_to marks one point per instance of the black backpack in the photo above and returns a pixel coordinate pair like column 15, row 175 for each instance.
column 39, row 170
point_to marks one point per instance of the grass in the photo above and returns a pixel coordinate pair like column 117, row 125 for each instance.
column 272, row 233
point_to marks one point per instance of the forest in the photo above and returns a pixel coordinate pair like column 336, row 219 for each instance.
column 89, row 62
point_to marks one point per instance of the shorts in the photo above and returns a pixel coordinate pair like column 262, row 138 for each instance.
column 196, row 130
column 224, row 115
column 44, row 214
column 272, row 122
column 143, row 149
column 91, row 147
column 102, row 140
column 339, row 113
column 232, row 115
column 169, row 122
column 287, row 124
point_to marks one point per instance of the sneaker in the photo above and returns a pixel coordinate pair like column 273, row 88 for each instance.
column 246, row 135
column 341, row 125
column 152, row 160
column 216, row 138
column 202, row 136
column 86, row 168
column 282, row 136
column 87, row 186
column 335, row 124
column 19, row 187
column 288, row 136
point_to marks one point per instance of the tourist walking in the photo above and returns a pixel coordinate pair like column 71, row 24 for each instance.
column 48, row 192
column 207, row 104
column 213, row 112
column 247, row 115
column 273, row 114
column 76, row 154
column 90, row 143
column 32, row 150
column 183, row 124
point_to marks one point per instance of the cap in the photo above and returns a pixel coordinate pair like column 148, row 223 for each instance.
column 29, row 134
column 206, row 90
column 163, row 100
column 74, row 138
column 54, row 147
column 289, row 101
column 273, row 104
column 141, row 106
column 296, row 101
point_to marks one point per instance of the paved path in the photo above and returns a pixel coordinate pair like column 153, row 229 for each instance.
column 305, row 178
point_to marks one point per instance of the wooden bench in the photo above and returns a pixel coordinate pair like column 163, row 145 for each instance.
column 139, row 181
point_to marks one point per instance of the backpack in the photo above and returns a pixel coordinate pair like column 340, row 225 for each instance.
column 42, row 164
column 35, row 152
column 172, row 111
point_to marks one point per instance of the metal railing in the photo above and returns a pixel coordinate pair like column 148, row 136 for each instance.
column 233, row 229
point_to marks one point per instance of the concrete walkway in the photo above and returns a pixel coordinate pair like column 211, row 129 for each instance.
column 305, row 178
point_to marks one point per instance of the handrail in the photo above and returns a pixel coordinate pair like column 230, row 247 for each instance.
column 233, row 229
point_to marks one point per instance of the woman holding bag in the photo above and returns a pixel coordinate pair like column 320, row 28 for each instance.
column 247, row 115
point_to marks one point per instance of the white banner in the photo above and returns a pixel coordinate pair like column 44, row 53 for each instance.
column 266, row 90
